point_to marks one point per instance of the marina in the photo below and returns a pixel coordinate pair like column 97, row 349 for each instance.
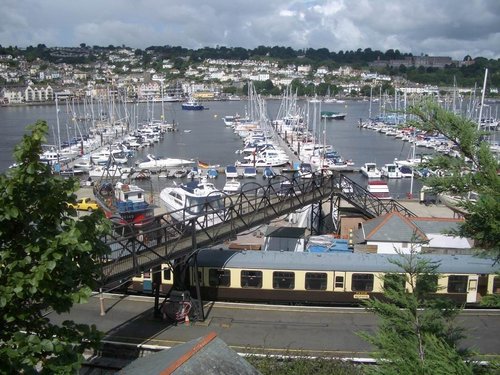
column 210, row 140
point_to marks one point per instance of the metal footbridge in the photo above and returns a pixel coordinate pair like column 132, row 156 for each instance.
column 134, row 251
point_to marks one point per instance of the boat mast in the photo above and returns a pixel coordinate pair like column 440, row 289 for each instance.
column 482, row 99
column 58, row 129
column 370, row 107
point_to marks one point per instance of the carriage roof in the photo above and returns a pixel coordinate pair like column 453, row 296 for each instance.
column 348, row 262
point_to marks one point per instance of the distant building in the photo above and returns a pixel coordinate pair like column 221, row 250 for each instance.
column 393, row 232
column 38, row 94
column 417, row 61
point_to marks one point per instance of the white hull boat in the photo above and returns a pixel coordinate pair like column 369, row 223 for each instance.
column 154, row 163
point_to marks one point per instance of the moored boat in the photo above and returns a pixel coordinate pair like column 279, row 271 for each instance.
column 391, row 171
column 331, row 115
column 124, row 204
column 192, row 105
column 370, row 170
column 154, row 163
column 231, row 186
column 193, row 199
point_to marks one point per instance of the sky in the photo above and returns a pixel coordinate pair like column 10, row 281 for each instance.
column 453, row 28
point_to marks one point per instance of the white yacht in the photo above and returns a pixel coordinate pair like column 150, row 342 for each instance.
column 232, row 186
column 105, row 155
column 391, row 170
column 370, row 170
column 231, row 171
column 154, row 163
column 194, row 199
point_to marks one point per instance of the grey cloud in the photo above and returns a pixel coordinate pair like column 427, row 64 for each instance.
column 445, row 27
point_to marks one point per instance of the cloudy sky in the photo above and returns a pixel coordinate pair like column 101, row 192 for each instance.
column 435, row 27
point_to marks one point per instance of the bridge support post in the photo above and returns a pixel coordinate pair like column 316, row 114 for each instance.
column 199, row 302
column 101, row 302
column 156, row 273
column 201, row 315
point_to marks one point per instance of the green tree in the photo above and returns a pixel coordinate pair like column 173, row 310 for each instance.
column 48, row 261
column 416, row 333
column 474, row 170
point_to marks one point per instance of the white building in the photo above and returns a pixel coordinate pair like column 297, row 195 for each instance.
column 392, row 233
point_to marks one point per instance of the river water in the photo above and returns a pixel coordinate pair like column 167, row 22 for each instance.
column 210, row 141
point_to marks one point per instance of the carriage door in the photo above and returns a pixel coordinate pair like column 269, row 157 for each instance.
column 339, row 281
column 472, row 289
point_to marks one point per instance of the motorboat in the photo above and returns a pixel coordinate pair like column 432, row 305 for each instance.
column 330, row 115
column 179, row 173
column 379, row 189
column 370, row 170
column 268, row 172
column 124, row 204
column 83, row 164
column 113, row 171
column 195, row 172
column 250, row 172
column 192, row 105
column 154, row 163
column 212, row 173
column 391, row 170
column 52, row 157
column 405, row 171
column 107, row 155
column 306, row 170
column 231, row 186
column 194, row 199
column 263, row 162
column 231, row 171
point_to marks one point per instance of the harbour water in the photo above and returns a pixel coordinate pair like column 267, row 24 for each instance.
column 202, row 135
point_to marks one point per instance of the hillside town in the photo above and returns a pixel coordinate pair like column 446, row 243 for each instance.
column 147, row 76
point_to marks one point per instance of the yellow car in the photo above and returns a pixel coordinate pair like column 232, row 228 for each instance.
column 84, row 204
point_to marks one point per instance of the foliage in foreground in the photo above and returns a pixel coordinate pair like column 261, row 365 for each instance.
column 269, row 365
column 475, row 170
column 48, row 262
column 416, row 333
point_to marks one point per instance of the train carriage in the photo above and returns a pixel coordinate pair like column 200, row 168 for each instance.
column 330, row 278
column 321, row 278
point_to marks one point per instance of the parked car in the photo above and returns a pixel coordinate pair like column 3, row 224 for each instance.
column 84, row 204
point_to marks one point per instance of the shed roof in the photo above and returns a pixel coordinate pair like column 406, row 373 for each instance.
column 393, row 227
column 205, row 355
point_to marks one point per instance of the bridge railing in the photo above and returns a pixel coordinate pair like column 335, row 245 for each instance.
column 364, row 200
column 168, row 237
column 174, row 234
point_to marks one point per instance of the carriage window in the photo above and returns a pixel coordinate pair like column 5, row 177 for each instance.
column 496, row 285
column 339, row 281
column 219, row 277
column 315, row 281
column 395, row 281
column 251, row 279
column 283, row 280
column 167, row 274
column 457, row 284
column 362, row 282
